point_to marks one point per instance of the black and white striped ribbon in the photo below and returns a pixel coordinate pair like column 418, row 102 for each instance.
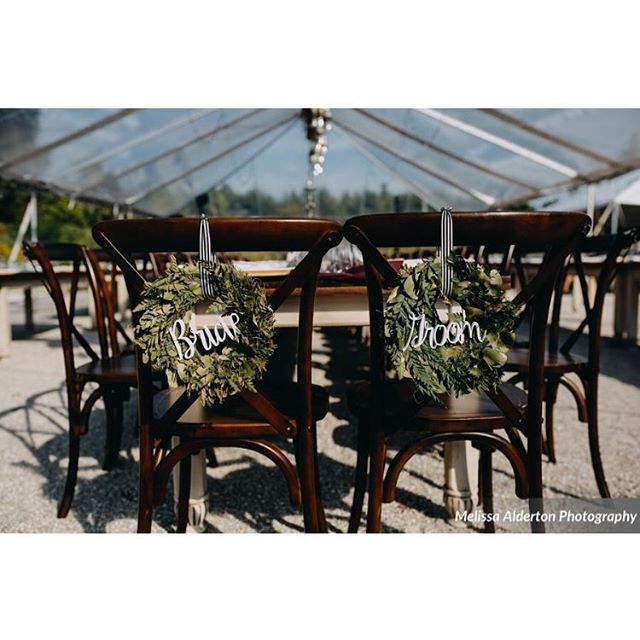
column 206, row 258
column 446, row 247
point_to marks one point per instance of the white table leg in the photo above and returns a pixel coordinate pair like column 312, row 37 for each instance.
column 461, row 478
column 121, row 298
column 576, row 295
column 91, row 312
column 627, row 289
column 198, row 497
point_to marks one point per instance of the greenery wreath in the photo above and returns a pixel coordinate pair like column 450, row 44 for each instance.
column 214, row 363
column 461, row 365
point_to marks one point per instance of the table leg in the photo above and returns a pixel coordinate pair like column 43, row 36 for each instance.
column 5, row 323
column 461, row 478
column 198, row 497
column 627, row 288
column 576, row 295
column 28, row 310
column 92, row 313
column 120, row 298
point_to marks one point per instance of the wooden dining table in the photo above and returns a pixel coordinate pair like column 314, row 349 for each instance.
column 20, row 280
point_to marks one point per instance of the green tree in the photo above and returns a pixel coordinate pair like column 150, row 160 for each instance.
column 57, row 221
column 60, row 222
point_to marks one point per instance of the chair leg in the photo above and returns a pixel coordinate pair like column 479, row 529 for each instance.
column 534, row 470
column 145, row 498
column 114, row 418
column 183, row 494
column 306, row 472
column 591, row 392
column 72, row 474
column 212, row 459
column 551, row 394
column 360, row 484
column 322, row 520
column 376, row 478
column 486, row 482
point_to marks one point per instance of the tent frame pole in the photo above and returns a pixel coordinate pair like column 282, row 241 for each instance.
column 416, row 189
column 493, row 139
column 486, row 199
column 131, row 200
column 66, row 139
column 441, row 150
column 29, row 221
column 167, row 153
column 602, row 220
column 545, row 135
column 133, row 143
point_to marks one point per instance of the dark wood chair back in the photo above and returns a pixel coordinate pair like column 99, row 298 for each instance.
column 558, row 232
column 124, row 238
column 84, row 265
column 111, row 334
column 608, row 249
column 43, row 260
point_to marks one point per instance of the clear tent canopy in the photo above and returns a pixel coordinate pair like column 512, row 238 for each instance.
column 157, row 161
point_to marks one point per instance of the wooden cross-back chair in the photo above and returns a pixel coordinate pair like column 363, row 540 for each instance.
column 109, row 328
column 112, row 369
column 247, row 420
column 384, row 406
column 560, row 359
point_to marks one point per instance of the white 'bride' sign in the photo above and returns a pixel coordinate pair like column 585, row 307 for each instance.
column 212, row 334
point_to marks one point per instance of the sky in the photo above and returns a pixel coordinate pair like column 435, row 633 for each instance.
column 283, row 168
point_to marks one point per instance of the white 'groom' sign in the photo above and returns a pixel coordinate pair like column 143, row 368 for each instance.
column 441, row 334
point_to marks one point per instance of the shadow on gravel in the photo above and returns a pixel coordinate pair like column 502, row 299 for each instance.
column 254, row 492
column 102, row 499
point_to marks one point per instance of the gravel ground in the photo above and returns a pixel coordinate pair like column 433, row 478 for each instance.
column 247, row 493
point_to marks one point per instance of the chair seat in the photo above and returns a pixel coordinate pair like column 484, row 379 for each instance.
column 518, row 361
column 118, row 370
column 471, row 412
column 235, row 417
